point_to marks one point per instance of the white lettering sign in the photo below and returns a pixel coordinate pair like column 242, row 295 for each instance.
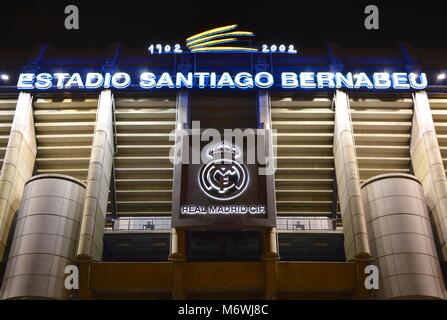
column 223, row 209
column 224, row 80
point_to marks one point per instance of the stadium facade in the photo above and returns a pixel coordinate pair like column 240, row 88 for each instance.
column 358, row 138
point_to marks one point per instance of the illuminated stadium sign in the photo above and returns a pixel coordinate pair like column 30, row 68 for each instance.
column 213, row 80
column 222, row 40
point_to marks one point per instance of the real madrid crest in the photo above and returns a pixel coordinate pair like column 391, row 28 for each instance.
column 223, row 178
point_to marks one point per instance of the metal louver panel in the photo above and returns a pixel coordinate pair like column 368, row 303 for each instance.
column 382, row 132
column 439, row 112
column 64, row 132
column 143, row 170
column 305, row 162
column 7, row 108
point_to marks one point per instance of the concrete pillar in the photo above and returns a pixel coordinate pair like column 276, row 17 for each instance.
column 428, row 167
column 177, row 250
column 270, row 244
column 348, row 182
column 98, row 182
column 270, row 236
column 17, row 166
column 270, row 259
column 178, row 238
column 273, row 235
column 265, row 123
column 178, row 258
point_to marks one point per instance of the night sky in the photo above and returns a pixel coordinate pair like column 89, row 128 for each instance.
column 24, row 24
